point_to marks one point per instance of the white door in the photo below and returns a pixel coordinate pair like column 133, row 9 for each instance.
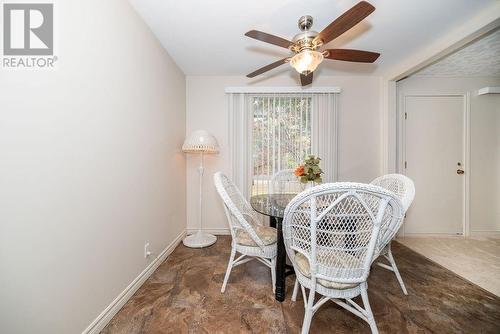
column 434, row 155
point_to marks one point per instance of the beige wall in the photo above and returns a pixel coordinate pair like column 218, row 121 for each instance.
column 90, row 168
column 359, row 133
column 485, row 142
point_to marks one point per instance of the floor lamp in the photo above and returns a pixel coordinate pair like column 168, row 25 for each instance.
column 200, row 142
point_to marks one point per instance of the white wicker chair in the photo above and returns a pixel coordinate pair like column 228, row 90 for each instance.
column 332, row 233
column 284, row 182
column 404, row 189
column 249, row 237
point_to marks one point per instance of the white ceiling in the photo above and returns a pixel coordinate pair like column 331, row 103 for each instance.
column 478, row 59
column 206, row 37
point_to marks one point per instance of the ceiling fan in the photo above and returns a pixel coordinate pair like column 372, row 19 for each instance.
column 306, row 44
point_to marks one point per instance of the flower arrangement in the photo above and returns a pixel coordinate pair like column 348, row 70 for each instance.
column 309, row 170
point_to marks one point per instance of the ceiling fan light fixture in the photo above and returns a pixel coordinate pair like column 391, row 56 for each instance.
column 306, row 61
column 306, row 45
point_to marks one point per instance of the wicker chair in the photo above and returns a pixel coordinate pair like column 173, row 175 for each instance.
column 332, row 233
column 404, row 189
column 285, row 182
column 249, row 237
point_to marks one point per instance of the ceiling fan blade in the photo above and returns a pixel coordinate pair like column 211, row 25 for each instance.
column 267, row 68
column 352, row 55
column 306, row 79
column 268, row 38
column 345, row 22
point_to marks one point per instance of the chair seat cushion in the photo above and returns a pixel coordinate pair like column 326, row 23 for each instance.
column 267, row 234
column 304, row 267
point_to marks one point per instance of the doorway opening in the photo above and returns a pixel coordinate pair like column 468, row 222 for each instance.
column 448, row 139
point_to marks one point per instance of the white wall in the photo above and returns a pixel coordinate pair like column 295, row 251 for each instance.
column 485, row 142
column 485, row 169
column 359, row 133
column 90, row 168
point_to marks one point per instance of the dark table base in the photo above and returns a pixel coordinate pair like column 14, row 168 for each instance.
column 281, row 266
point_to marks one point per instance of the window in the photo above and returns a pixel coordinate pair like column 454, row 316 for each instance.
column 281, row 136
column 271, row 130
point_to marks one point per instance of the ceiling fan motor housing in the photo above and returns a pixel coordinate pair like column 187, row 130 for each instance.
column 305, row 40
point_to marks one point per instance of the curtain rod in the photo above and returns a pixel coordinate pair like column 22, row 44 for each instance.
column 246, row 89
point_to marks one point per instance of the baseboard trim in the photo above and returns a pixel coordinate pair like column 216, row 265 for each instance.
column 484, row 233
column 431, row 235
column 215, row 231
column 105, row 317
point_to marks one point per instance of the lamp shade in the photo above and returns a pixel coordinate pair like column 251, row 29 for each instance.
column 200, row 141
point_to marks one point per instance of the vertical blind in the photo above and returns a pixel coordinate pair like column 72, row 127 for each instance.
column 273, row 132
column 281, row 135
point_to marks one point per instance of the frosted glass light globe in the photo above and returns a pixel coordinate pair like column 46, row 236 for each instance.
column 306, row 61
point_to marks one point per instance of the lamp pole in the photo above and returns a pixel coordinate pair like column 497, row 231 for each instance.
column 201, row 170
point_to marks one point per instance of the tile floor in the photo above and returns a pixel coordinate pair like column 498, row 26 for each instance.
column 183, row 296
column 476, row 259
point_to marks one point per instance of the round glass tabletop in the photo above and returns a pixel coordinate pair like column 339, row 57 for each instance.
column 271, row 204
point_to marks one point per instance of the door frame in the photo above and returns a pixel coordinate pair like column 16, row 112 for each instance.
column 401, row 150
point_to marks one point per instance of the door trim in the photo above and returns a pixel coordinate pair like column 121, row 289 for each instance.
column 401, row 150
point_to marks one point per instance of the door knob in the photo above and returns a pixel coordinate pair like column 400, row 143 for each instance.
column 460, row 171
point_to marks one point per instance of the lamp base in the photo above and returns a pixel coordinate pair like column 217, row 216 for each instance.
column 199, row 239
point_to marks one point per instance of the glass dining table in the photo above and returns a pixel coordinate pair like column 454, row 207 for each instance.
column 273, row 205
